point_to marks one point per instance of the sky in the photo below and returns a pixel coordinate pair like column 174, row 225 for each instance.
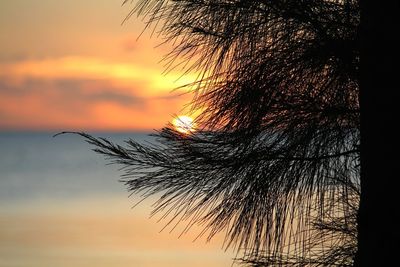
column 72, row 65
column 69, row 65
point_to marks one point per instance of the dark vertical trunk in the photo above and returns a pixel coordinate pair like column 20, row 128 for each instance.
column 378, row 227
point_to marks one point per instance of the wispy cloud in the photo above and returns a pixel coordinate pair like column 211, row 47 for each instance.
column 86, row 93
column 96, row 69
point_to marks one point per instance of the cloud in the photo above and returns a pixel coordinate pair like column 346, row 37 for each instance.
column 64, row 90
column 93, row 91
column 152, row 80
column 83, row 93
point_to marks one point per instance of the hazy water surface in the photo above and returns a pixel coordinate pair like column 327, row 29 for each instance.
column 62, row 206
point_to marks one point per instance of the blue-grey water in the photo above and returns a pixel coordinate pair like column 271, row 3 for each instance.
column 38, row 165
column 61, row 205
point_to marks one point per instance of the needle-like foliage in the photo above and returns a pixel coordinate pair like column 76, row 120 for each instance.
column 274, row 161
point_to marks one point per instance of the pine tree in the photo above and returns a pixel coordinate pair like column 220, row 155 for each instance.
column 275, row 157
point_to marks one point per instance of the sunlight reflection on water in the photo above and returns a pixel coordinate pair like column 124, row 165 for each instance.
column 61, row 206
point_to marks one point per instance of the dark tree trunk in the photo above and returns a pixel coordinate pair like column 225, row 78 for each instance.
column 378, row 227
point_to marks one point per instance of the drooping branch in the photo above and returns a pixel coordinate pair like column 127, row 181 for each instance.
column 276, row 152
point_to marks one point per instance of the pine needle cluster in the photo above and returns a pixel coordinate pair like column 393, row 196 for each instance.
column 274, row 161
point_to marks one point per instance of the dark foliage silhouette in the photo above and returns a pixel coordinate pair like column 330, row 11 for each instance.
column 275, row 158
column 378, row 231
column 330, row 240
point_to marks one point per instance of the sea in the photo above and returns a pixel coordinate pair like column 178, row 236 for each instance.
column 62, row 205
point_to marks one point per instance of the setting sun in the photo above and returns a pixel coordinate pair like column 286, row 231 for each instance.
column 183, row 124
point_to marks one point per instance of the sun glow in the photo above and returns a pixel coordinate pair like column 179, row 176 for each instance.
column 184, row 124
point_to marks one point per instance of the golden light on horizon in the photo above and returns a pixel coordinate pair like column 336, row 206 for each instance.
column 184, row 124
column 72, row 66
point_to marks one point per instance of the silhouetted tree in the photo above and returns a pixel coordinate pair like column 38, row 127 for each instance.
column 378, row 219
column 275, row 158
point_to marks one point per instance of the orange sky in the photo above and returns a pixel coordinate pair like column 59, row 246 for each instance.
column 70, row 65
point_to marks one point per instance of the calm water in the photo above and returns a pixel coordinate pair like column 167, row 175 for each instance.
column 62, row 206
